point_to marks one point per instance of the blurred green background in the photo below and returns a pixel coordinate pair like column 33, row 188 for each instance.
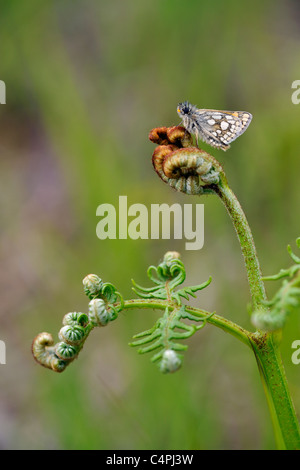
column 86, row 81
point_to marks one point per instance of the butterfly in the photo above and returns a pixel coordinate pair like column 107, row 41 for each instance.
column 217, row 128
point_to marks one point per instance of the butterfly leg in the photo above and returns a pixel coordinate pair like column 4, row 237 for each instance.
column 197, row 138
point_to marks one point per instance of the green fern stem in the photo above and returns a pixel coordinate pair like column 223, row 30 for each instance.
column 264, row 346
column 216, row 320
column 284, row 419
column 246, row 241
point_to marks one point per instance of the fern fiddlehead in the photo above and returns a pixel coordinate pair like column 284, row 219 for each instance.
column 105, row 305
column 77, row 325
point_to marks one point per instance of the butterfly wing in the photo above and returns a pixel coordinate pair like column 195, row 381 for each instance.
column 220, row 128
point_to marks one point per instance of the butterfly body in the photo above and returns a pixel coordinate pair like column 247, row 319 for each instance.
column 215, row 127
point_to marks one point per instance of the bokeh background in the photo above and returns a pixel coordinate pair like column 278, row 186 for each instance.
column 86, row 81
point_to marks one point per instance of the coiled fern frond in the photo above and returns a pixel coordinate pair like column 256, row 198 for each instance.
column 105, row 305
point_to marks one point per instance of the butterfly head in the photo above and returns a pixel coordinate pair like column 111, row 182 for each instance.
column 184, row 108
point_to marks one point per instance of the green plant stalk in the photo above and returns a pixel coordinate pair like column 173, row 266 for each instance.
column 284, row 419
column 216, row 320
column 264, row 346
column 240, row 223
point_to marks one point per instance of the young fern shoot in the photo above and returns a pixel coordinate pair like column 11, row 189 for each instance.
column 192, row 171
column 105, row 305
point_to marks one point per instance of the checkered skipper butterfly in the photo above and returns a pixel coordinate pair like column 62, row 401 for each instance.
column 217, row 128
